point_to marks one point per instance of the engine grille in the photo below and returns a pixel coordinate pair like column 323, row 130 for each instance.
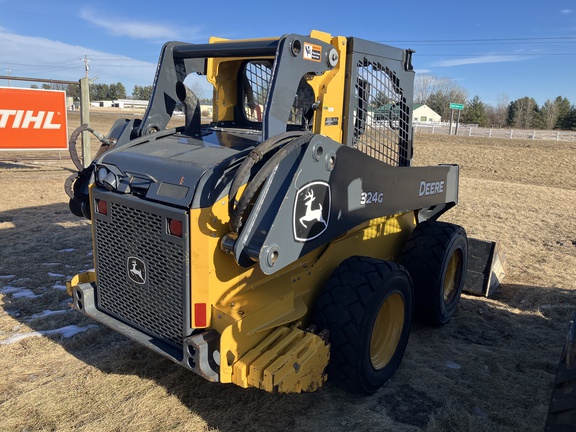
column 158, row 306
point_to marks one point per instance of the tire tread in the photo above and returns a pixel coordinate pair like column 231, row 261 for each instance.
column 423, row 255
column 342, row 305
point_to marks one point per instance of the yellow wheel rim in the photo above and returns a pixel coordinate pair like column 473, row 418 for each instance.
column 387, row 331
column 451, row 279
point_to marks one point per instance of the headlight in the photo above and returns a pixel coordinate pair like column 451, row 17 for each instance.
column 106, row 178
column 101, row 175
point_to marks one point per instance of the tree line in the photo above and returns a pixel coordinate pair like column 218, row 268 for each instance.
column 114, row 91
column 437, row 93
column 97, row 91
column 523, row 113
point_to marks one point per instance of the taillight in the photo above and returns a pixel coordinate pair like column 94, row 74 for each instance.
column 102, row 207
column 175, row 227
column 200, row 315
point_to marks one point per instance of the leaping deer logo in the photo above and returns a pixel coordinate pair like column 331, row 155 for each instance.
column 311, row 210
column 311, row 215
column 136, row 270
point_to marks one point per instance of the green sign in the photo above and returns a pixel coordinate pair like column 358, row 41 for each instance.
column 456, row 106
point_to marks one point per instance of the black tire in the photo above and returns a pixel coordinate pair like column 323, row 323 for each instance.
column 562, row 411
column 364, row 295
column 436, row 256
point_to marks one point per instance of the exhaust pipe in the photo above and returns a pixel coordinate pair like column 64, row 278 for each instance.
column 191, row 109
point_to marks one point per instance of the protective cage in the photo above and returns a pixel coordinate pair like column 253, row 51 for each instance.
column 257, row 77
column 379, row 85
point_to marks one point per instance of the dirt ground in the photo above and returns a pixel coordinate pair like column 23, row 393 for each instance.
column 490, row 369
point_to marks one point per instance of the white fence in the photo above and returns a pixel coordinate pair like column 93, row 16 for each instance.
column 474, row 130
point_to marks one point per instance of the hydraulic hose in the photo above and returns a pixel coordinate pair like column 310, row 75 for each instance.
column 253, row 158
column 74, row 137
column 76, row 186
column 237, row 213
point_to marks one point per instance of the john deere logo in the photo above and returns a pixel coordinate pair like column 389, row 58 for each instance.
column 136, row 270
column 311, row 211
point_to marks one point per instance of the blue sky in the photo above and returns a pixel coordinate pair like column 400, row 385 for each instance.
column 492, row 49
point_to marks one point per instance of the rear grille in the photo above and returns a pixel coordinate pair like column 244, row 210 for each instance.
column 158, row 306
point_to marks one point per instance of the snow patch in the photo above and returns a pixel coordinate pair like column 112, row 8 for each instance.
column 66, row 332
column 50, row 264
column 7, row 276
column 452, row 365
column 18, row 292
column 46, row 313
column 67, row 250
column 59, row 287
column 56, row 275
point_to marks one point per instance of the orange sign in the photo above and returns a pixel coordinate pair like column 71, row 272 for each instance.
column 33, row 119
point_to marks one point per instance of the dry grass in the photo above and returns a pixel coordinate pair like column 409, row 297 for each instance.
column 490, row 369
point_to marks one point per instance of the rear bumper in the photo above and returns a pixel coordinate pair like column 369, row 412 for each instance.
column 196, row 354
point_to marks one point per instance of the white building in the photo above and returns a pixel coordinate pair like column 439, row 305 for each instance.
column 422, row 113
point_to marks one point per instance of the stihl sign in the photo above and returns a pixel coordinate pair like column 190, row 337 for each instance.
column 32, row 119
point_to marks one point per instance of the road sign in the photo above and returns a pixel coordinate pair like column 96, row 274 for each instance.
column 456, row 106
column 33, row 119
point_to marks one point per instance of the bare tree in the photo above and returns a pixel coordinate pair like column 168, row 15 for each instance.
column 437, row 93
column 501, row 110
column 550, row 113
column 197, row 88
column 424, row 86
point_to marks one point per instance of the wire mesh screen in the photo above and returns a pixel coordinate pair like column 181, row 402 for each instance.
column 257, row 77
column 382, row 115
column 303, row 102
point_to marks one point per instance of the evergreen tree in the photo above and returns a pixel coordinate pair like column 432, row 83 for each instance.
column 73, row 91
column 569, row 120
column 441, row 99
column 476, row 112
column 142, row 92
column 564, row 108
column 99, row 92
column 523, row 113
column 116, row 91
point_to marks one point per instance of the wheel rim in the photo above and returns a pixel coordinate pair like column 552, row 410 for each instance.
column 452, row 277
column 386, row 331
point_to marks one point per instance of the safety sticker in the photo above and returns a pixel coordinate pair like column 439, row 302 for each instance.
column 312, row 52
column 331, row 121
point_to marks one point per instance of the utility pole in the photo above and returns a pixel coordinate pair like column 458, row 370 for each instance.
column 8, row 72
column 85, row 112
column 86, row 65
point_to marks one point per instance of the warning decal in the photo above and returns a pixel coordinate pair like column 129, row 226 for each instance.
column 312, row 52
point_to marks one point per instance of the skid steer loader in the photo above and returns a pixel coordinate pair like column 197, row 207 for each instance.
column 284, row 242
